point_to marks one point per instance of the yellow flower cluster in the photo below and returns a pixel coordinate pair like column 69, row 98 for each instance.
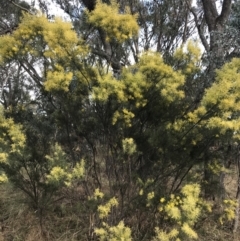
column 220, row 106
column 109, row 86
column 56, row 41
column 189, row 231
column 114, row 233
column 97, row 194
column 124, row 115
column 135, row 86
column 184, row 209
column 59, row 175
column 229, row 210
column 3, row 178
column 216, row 167
column 57, row 80
column 150, row 196
column 162, row 76
column 189, row 55
column 129, row 146
column 166, row 236
column 104, row 210
column 60, row 171
column 12, row 138
column 117, row 26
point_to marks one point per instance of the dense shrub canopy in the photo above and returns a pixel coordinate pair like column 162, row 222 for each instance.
column 118, row 120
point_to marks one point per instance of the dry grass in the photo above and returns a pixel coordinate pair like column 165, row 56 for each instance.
column 65, row 222
column 18, row 222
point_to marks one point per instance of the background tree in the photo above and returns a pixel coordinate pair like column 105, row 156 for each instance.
column 10, row 13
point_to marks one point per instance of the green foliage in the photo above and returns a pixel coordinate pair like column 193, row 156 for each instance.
column 60, row 171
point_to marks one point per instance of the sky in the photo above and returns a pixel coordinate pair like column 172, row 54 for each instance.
column 54, row 8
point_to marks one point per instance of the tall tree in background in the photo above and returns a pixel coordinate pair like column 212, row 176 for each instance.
column 214, row 15
column 163, row 26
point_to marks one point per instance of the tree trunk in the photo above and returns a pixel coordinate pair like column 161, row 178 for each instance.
column 236, row 220
column 215, row 23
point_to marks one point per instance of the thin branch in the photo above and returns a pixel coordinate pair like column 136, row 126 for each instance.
column 200, row 30
column 32, row 72
column 4, row 83
column 8, row 30
column 19, row 6
column 114, row 64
